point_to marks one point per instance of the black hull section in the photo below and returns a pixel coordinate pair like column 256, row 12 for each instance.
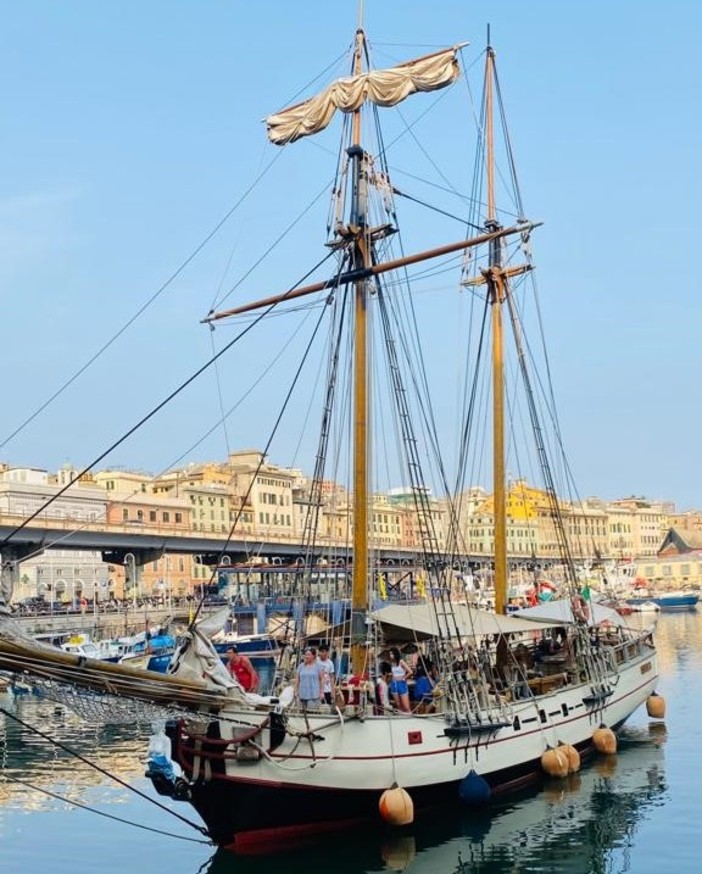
column 254, row 817
column 260, row 817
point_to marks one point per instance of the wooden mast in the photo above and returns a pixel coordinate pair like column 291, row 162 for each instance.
column 361, row 261
column 495, row 276
column 496, row 291
column 358, row 236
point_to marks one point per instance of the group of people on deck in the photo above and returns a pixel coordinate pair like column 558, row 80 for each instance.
column 315, row 682
column 410, row 685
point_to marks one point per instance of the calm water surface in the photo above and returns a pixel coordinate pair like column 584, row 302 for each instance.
column 638, row 812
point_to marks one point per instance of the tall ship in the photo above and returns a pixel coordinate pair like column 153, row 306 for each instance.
column 264, row 769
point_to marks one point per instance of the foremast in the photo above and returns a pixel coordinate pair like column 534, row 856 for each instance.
column 496, row 292
column 495, row 276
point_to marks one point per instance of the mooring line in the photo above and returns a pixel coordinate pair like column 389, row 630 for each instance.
column 62, row 798
column 101, row 770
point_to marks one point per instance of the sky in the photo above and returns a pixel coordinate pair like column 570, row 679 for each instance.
column 129, row 130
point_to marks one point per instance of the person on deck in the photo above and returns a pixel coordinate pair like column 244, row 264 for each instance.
column 242, row 670
column 400, row 674
column 326, row 666
column 382, row 688
column 424, row 687
column 308, row 680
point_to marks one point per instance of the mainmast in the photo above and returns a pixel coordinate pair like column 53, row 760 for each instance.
column 361, row 261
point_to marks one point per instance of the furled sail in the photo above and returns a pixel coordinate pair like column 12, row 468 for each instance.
column 382, row 87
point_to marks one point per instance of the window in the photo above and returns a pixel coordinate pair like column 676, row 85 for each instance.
column 152, row 515
column 178, row 517
column 125, row 515
column 166, row 516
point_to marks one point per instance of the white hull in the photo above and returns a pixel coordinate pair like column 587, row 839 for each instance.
column 413, row 751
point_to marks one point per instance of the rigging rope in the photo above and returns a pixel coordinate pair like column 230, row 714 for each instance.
column 103, row 771
column 274, row 431
column 162, row 404
column 144, row 307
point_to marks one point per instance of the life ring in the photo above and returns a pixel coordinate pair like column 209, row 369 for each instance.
column 83, row 602
column 581, row 610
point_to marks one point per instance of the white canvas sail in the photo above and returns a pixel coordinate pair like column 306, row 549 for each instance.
column 382, row 87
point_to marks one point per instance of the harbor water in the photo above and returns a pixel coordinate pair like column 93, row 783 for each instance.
column 636, row 812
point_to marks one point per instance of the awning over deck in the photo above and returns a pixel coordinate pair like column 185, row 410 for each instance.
column 419, row 621
column 561, row 612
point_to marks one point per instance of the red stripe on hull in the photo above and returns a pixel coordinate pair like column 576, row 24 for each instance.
column 258, row 842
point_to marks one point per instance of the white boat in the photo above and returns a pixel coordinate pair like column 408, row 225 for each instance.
column 264, row 770
column 622, row 580
column 644, row 606
column 86, row 648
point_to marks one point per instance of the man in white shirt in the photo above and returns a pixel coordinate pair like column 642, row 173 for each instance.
column 326, row 666
column 383, row 688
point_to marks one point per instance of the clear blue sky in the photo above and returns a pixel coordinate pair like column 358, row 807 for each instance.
column 128, row 129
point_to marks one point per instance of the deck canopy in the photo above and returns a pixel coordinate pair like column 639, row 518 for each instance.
column 560, row 611
column 419, row 621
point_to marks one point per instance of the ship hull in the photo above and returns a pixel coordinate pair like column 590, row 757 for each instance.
column 260, row 817
column 668, row 603
column 333, row 778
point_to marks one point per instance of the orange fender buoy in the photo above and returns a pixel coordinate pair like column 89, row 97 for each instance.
column 396, row 806
column 605, row 740
column 655, row 706
column 572, row 757
column 554, row 763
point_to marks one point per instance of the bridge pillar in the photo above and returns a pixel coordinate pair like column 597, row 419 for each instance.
column 133, row 561
column 261, row 617
column 10, row 559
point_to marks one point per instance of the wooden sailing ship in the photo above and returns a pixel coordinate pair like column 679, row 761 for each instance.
column 262, row 769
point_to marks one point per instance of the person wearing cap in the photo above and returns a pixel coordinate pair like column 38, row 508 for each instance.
column 326, row 666
column 308, row 680
column 242, row 670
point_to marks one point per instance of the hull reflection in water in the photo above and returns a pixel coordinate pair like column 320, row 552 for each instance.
column 571, row 825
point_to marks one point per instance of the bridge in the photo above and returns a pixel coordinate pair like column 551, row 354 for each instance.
column 150, row 543
column 134, row 546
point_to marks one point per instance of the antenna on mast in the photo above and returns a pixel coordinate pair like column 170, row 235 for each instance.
column 360, row 14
